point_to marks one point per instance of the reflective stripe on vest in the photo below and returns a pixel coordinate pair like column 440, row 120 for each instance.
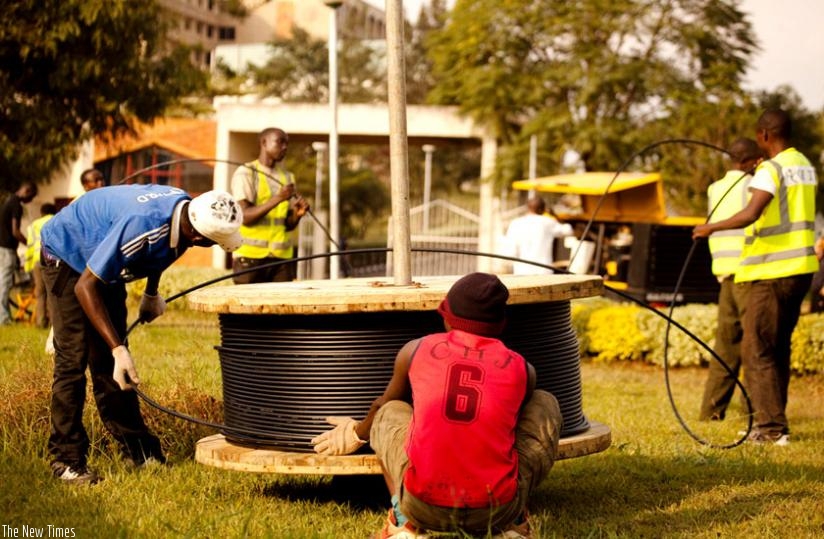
column 32, row 256
column 727, row 197
column 267, row 237
column 780, row 243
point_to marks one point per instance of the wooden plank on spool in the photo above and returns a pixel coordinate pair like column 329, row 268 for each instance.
column 216, row 451
column 366, row 294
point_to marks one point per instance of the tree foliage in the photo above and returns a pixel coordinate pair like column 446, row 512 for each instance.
column 298, row 70
column 72, row 69
column 599, row 75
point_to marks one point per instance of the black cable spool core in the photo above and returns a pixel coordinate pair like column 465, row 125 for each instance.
column 284, row 374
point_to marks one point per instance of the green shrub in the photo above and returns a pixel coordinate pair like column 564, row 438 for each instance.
column 682, row 351
column 609, row 331
column 808, row 344
column 581, row 310
column 612, row 333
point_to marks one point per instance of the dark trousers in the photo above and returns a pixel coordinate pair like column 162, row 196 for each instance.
column 773, row 307
column 720, row 384
column 279, row 273
column 41, row 311
column 78, row 346
column 816, row 299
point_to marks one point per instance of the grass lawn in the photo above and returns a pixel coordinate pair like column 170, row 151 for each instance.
column 654, row 481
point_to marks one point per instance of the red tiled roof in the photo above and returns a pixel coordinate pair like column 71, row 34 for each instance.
column 188, row 137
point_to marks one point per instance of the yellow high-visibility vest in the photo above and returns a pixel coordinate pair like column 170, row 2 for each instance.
column 727, row 197
column 780, row 243
column 267, row 237
column 32, row 256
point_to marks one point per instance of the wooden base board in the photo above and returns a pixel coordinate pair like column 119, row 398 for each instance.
column 216, row 451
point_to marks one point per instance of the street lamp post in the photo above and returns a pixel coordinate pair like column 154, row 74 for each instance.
column 428, row 149
column 334, row 203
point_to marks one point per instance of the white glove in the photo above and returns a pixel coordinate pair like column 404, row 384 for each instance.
column 124, row 372
column 151, row 307
column 50, row 342
column 342, row 440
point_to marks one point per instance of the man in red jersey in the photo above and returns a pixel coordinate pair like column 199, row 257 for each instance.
column 477, row 438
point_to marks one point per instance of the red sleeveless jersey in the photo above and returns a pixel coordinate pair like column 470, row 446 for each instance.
column 467, row 391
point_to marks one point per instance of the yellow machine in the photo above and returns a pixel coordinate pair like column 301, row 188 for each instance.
column 638, row 247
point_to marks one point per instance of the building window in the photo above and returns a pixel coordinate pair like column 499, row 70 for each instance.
column 226, row 33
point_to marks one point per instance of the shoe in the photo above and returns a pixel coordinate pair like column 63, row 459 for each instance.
column 391, row 530
column 75, row 474
column 760, row 438
column 148, row 463
column 516, row 531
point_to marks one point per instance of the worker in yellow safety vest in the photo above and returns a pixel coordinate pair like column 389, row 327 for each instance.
column 271, row 211
column 31, row 263
column 776, row 269
column 726, row 197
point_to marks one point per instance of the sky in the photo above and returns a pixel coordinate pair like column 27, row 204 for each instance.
column 791, row 35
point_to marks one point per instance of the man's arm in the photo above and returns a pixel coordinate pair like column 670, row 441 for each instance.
column 253, row 213
column 349, row 435
column 16, row 232
column 397, row 389
column 531, row 380
column 747, row 216
column 152, row 284
column 91, row 300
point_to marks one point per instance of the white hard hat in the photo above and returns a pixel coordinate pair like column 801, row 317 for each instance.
column 217, row 216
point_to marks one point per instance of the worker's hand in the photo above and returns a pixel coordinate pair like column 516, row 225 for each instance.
column 50, row 342
column 701, row 231
column 342, row 440
column 124, row 372
column 818, row 247
column 151, row 307
column 301, row 206
column 286, row 191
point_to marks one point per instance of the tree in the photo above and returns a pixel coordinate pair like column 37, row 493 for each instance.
column 298, row 70
column 592, row 74
column 72, row 69
column 419, row 77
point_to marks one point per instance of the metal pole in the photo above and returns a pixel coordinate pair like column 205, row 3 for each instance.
column 398, row 144
column 533, row 160
column 334, row 203
column 427, row 183
column 319, row 240
column 320, row 148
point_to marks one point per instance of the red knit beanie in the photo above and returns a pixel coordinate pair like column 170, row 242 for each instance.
column 476, row 303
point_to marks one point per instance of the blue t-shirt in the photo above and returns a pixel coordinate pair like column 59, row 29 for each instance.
column 120, row 233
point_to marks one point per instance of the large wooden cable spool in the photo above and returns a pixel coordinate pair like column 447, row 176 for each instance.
column 294, row 353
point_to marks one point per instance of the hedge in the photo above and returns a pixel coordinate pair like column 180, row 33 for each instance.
column 609, row 331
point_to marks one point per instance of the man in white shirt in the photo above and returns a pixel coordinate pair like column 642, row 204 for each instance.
column 530, row 238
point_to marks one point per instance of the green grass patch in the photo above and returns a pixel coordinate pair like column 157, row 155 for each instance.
column 654, row 481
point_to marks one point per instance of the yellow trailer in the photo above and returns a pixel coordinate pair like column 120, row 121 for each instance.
column 636, row 244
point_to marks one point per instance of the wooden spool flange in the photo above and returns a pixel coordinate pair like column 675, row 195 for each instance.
column 216, row 451
column 362, row 295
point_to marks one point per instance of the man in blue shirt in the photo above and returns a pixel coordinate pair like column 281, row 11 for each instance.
column 90, row 249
